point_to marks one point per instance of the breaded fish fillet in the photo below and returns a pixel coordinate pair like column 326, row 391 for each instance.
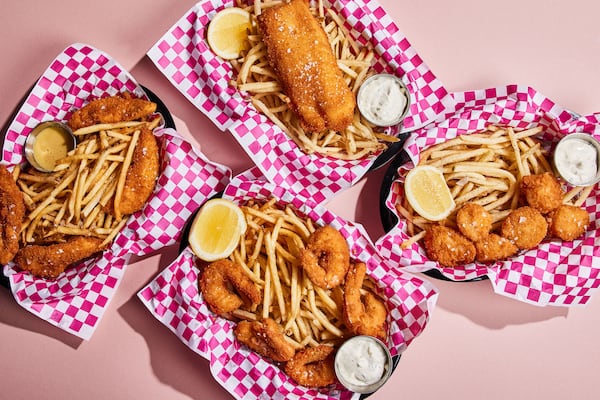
column 12, row 210
column 299, row 52
column 110, row 110
column 50, row 261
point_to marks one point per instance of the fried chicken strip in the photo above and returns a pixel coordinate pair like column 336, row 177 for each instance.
column 50, row 261
column 110, row 110
column 299, row 51
column 12, row 210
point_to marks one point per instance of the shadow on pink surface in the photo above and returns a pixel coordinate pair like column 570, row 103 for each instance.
column 478, row 302
column 15, row 315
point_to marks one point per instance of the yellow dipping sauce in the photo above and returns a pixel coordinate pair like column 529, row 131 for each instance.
column 50, row 145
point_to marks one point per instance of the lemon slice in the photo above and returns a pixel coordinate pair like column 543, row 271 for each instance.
column 427, row 192
column 216, row 229
column 227, row 33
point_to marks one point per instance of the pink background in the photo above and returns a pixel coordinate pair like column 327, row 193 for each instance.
column 477, row 345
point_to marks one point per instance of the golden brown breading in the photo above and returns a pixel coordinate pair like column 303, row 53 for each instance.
column 447, row 246
column 110, row 110
column 473, row 221
column 50, row 261
column 493, row 248
column 526, row 227
column 313, row 366
column 569, row 222
column 300, row 54
column 266, row 338
column 12, row 210
column 542, row 192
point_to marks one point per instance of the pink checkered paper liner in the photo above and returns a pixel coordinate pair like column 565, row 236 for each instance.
column 174, row 299
column 554, row 273
column 76, row 300
column 185, row 58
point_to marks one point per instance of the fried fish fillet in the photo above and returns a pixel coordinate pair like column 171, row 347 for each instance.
column 300, row 54
column 12, row 210
column 110, row 110
column 51, row 260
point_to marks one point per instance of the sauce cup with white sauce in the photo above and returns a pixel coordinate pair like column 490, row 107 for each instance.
column 47, row 143
column 363, row 364
column 576, row 159
column 383, row 100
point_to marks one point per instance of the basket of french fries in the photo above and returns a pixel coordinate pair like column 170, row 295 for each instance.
column 292, row 318
column 264, row 109
column 124, row 189
column 510, row 216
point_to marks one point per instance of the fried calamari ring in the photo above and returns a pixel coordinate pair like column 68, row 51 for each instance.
column 326, row 258
column 313, row 366
column 218, row 281
column 363, row 315
column 526, row 227
column 266, row 338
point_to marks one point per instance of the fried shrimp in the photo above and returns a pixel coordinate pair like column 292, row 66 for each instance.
column 526, row 227
column 448, row 247
column 326, row 258
column 363, row 315
column 493, row 248
column 569, row 222
column 223, row 283
column 542, row 192
column 266, row 338
column 474, row 221
column 313, row 366
column 12, row 210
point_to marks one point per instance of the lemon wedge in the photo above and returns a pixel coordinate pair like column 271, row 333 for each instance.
column 227, row 33
column 216, row 229
column 427, row 192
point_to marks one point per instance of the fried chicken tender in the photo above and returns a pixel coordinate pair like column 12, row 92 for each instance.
column 363, row 315
column 266, row 338
column 141, row 176
column 542, row 192
column 526, row 227
column 51, row 260
column 110, row 110
column 569, row 222
column 300, row 54
column 447, row 246
column 494, row 247
column 12, row 210
column 474, row 221
column 313, row 366
column 223, row 283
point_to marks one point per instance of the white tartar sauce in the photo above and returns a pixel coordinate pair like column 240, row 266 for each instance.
column 382, row 100
column 361, row 362
column 576, row 161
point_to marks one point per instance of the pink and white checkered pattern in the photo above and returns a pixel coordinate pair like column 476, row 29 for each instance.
column 556, row 272
column 174, row 299
column 185, row 58
column 76, row 300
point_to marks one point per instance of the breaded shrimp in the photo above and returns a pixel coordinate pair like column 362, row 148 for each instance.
column 474, row 221
column 569, row 222
column 326, row 257
column 526, row 227
column 447, row 246
column 222, row 284
column 542, row 192
column 363, row 315
column 266, row 338
column 313, row 366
